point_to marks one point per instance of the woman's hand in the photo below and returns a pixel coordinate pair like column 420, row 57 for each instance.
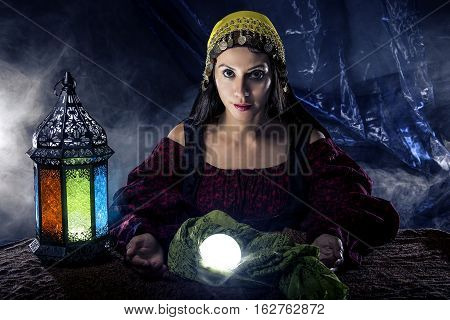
column 146, row 255
column 331, row 250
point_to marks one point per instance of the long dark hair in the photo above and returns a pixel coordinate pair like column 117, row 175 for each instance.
column 284, row 105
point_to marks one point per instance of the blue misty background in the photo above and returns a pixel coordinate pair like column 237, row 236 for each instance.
column 376, row 73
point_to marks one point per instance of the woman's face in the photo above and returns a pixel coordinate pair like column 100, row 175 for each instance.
column 243, row 78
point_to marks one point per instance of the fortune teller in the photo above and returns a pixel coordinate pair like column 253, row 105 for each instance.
column 249, row 149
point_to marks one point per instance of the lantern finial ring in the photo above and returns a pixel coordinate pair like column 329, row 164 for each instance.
column 67, row 82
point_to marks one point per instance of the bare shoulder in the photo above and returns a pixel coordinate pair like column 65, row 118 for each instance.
column 177, row 134
column 316, row 135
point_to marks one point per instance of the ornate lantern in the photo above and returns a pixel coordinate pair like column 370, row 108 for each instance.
column 71, row 154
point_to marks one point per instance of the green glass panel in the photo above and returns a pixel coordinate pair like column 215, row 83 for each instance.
column 78, row 190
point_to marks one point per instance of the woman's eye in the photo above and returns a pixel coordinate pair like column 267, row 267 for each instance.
column 257, row 75
column 228, row 73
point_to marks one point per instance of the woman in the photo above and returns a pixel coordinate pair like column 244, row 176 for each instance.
column 250, row 149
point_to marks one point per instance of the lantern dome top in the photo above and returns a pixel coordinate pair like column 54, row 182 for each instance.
column 69, row 132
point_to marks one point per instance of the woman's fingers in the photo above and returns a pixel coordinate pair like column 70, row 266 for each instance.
column 325, row 252
column 326, row 255
column 144, row 243
column 156, row 262
column 151, row 268
column 331, row 255
column 339, row 253
column 131, row 247
column 146, row 256
column 152, row 263
column 338, row 249
column 339, row 262
column 335, row 259
column 139, row 261
column 135, row 243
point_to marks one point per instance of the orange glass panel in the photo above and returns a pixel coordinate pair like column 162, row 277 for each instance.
column 52, row 228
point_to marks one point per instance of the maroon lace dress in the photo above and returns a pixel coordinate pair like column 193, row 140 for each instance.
column 338, row 198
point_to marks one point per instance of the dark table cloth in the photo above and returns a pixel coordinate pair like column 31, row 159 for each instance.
column 414, row 266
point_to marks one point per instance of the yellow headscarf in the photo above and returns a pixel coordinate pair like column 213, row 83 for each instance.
column 255, row 29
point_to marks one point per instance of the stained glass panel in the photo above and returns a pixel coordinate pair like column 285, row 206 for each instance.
column 101, row 196
column 78, row 190
column 52, row 229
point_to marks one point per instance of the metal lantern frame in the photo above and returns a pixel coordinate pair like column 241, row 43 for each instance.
column 70, row 151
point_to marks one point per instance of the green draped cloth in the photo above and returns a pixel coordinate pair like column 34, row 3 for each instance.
column 268, row 259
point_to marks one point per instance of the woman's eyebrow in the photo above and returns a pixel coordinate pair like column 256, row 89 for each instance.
column 258, row 66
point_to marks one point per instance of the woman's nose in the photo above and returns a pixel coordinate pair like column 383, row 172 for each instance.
column 241, row 90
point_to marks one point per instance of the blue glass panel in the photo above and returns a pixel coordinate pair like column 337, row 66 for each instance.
column 101, row 199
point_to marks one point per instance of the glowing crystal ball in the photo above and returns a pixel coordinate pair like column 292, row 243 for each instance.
column 220, row 252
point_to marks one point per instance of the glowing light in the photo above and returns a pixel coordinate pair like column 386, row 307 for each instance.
column 220, row 252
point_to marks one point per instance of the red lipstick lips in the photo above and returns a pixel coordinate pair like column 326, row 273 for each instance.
column 243, row 107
